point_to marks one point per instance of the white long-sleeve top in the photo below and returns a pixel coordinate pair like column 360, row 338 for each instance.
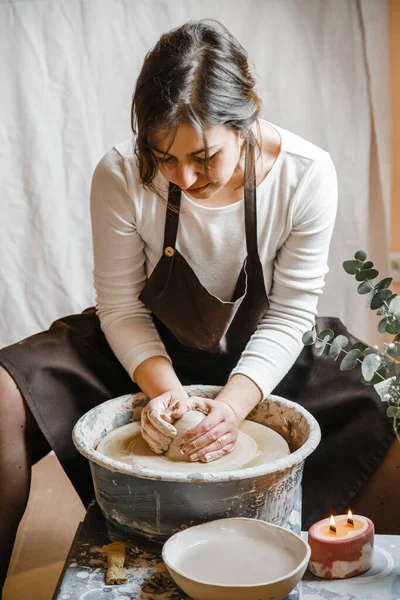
column 296, row 209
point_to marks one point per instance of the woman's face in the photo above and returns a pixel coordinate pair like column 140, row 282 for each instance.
column 183, row 162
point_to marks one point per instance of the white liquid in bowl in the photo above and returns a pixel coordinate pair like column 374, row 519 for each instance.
column 241, row 561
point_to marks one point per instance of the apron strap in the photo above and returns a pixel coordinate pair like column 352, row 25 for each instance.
column 170, row 233
column 172, row 218
column 250, row 211
column 250, row 204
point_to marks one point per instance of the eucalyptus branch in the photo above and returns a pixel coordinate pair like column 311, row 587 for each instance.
column 374, row 365
column 371, row 287
column 357, row 359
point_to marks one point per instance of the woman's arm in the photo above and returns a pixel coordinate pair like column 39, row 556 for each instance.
column 156, row 375
column 298, row 279
column 299, row 271
column 120, row 263
column 241, row 394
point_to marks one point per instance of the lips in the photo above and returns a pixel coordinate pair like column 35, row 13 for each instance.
column 197, row 189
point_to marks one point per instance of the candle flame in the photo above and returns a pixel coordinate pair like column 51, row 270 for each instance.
column 332, row 525
column 350, row 520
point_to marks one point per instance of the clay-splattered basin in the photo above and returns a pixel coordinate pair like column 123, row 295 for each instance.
column 236, row 559
column 155, row 505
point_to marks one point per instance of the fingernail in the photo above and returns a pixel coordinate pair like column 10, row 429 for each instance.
column 193, row 457
column 207, row 457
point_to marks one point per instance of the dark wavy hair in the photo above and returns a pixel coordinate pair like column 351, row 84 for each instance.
column 197, row 74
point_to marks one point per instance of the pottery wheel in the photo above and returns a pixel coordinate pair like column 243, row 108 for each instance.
column 256, row 445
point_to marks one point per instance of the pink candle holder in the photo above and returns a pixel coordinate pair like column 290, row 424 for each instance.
column 342, row 549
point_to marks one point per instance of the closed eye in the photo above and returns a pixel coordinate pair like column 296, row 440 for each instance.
column 167, row 160
column 210, row 158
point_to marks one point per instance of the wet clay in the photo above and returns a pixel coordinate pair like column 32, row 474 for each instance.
column 256, row 445
column 187, row 422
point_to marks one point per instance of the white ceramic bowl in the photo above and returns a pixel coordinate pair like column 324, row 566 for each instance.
column 236, row 559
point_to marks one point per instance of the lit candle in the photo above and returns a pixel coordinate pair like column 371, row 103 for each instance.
column 341, row 546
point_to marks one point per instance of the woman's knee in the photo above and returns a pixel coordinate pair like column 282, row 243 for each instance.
column 14, row 412
column 17, row 424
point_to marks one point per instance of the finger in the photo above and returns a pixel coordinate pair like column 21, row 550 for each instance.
column 154, row 446
column 213, row 455
column 218, row 443
column 156, row 436
column 167, row 417
column 205, row 426
column 180, row 408
column 204, row 405
column 160, row 424
column 201, row 441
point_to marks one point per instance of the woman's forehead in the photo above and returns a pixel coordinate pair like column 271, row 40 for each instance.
column 186, row 139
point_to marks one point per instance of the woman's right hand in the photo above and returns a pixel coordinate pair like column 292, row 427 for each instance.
column 157, row 419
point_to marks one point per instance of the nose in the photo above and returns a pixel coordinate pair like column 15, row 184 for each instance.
column 186, row 176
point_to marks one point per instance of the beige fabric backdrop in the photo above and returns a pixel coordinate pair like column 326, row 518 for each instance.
column 67, row 70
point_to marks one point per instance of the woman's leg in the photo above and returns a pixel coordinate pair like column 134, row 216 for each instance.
column 19, row 434
column 379, row 497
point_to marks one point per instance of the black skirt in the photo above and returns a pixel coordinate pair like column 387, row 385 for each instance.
column 65, row 371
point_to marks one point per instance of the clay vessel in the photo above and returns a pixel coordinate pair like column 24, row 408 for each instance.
column 154, row 504
column 182, row 425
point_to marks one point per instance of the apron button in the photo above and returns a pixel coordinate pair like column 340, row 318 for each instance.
column 169, row 251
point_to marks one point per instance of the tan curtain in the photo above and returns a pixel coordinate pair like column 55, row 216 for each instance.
column 68, row 70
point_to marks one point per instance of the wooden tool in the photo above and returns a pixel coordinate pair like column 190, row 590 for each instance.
column 115, row 559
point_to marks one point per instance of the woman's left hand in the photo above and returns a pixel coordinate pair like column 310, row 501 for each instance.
column 216, row 435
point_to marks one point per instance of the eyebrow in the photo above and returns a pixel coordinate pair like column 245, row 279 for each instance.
column 191, row 153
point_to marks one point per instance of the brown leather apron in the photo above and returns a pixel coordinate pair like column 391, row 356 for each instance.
column 198, row 319
column 65, row 371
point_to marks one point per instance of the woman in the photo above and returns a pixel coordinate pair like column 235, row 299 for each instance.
column 211, row 236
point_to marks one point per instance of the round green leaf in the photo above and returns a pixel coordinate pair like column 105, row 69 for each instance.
column 368, row 299
column 393, row 327
column 350, row 361
column 386, row 294
column 365, row 274
column 370, row 365
column 337, row 346
column 381, row 297
column 320, row 344
column 368, row 265
column 376, row 301
column 360, row 255
column 393, row 411
column 326, row 332
column 382, row 373
column 364, row 287
column 384, row 283
column 392, row 297
column 309, row 337
column 394, row 352
column 359, row 346
column 382, row 326
column 352, row 266
column 394, row 306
